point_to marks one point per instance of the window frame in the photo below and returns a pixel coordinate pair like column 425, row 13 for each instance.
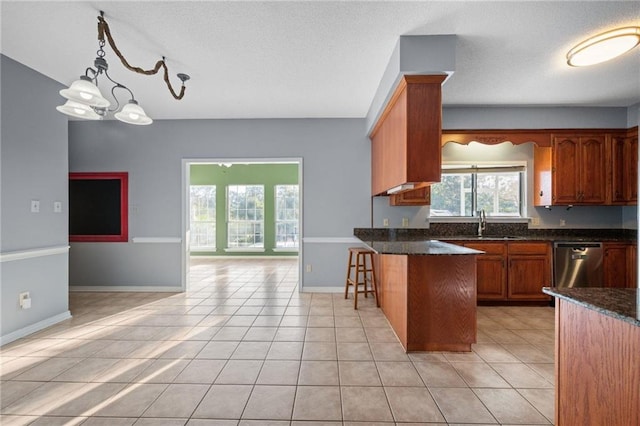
column 214, row 221
column 229, row 221
column 480, row 165
column 295, row 221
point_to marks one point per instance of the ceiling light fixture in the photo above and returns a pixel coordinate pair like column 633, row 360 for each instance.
column 604, row 47
column 84, row 99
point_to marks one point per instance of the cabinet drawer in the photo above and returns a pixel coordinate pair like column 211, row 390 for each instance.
column 529, row 248
column 488, row 248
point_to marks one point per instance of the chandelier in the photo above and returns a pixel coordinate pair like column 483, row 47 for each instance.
column 84, row 99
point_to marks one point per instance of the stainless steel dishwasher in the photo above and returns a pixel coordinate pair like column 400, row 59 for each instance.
column 578, row 264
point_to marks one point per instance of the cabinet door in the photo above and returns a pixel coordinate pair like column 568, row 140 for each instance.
column 491, row 270
column 416, row 197
column 527, row 275
column 631, row 184
column 566, row 173
column 615, row 265
column 491, row 277
column 632, row 266
column 619, row 168
column 593, row 176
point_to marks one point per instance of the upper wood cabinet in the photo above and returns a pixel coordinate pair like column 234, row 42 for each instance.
column 416, row 197
column 599, row 168
column 579, row 169
column 405, row 142
column 572, row 172
column 624, row 168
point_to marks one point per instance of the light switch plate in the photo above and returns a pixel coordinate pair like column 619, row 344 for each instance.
column 35, row 206
column 57, row 207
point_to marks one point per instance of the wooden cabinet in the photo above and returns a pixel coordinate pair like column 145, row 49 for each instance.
column 573, row 171
column 624, row 168
column 405, row 142
column 512, row 271
column 415, row 197
column 491, row 270
column 620, row 265
column 529, row 270
column 632, row 266
column 579, row 169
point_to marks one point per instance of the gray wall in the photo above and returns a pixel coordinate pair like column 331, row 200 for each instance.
column 34, row 166
column 336, row 187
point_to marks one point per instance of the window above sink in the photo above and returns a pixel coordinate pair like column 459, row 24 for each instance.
column 466, row 188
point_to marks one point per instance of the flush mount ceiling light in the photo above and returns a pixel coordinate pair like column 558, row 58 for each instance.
column 84, row 99
column 604, row 47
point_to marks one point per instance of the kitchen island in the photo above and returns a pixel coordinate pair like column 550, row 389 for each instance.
column 597, row 356
column 427, row 291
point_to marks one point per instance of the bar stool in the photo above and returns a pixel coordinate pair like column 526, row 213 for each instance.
column 363, row 274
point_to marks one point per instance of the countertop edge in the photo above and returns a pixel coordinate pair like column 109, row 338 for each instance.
column 455, row 250
column 601, row 309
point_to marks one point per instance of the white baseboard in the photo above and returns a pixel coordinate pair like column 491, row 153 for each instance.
column 125, row 288
column 308, row 289
column 40, row 325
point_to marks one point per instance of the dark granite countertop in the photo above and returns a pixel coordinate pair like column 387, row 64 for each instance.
column 620, row 303
column 421, row 248
column 494, row 232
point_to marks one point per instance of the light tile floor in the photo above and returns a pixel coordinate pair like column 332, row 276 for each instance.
column 244, row 347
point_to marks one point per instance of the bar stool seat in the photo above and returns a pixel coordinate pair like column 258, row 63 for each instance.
column 361, row 275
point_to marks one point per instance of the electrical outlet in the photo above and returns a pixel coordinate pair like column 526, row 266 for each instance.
column 25, row 300
column 385, row 221
column 535, row 221
column 563, row 222
column 57, row 207
column 35, row 206
column 405, row 222
column 308, row 268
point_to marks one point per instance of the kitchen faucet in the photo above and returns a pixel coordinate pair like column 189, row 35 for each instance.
column 482, row 224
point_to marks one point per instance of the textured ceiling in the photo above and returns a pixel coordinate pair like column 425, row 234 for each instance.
column 325, row 59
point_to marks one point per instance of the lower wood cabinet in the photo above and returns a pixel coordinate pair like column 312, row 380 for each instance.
column 529, row 270
column 632, row 266
column 491, row 270
column 512, row 271
column 620, row 265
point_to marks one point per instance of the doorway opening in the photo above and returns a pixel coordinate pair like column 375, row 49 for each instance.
column 241, row 209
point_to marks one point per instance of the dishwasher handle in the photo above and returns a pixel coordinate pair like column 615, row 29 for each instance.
column 577, row 245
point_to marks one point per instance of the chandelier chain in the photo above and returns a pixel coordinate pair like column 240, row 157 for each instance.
column 103, row 30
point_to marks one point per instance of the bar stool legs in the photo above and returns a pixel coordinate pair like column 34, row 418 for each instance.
column 361, row 272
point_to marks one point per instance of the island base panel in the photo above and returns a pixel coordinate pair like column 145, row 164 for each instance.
column 430, row 301
column 596, row 361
